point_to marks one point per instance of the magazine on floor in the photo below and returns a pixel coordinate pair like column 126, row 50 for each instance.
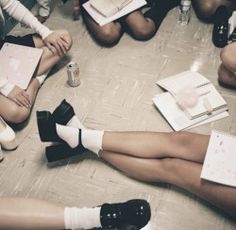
column 102, row 20
column 190, row 100
column 219, row 163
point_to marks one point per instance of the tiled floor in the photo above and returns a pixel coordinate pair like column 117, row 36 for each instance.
column 116, row 94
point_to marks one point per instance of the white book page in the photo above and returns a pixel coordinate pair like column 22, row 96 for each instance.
column 177, row 118
column 220, row 161
column 101, row 20
column 176, row 83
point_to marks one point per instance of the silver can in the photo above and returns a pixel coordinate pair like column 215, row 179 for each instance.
column 73, row 74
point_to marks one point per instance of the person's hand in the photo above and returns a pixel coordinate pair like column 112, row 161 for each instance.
column 20, row 97
column 232, row 22
column 57, row 42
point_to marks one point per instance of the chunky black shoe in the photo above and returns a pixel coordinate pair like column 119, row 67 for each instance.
column 47, row 127
column 63, row 113
column 220, row 29
column 133, row 212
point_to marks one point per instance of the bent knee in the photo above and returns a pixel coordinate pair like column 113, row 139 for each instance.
column 109, row 36
column 17, row 114
column 227, row 56
column 205, row 10
column 143, row 33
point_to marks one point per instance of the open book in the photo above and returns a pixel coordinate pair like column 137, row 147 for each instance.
column 102, row 20
column 109, row 7
column 219, row 163
column 208, row 101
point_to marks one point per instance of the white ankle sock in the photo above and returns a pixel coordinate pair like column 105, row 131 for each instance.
column 91, row 139
column 41, row 78
column 75, row 122
column 82, row 218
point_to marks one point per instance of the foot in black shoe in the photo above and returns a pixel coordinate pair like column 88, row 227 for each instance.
column 133, row 212
column 63, row 113
column 220, row 29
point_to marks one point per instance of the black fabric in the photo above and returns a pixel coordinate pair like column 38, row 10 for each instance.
column 159, row 10
column 26, row 40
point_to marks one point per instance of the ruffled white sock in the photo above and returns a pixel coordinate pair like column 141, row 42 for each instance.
column 82, row 218
column 91, row 139
column 75, row 122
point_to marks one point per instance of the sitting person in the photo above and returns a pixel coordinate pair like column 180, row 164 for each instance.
column 55, row 45
column 23, row 213
column 176, row 158
column 140, row 26
column 227, row 69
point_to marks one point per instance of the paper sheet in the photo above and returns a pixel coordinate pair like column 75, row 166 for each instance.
column 101, row 20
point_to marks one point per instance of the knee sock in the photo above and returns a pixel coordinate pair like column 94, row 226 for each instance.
column 159, row 10
column 91, row 139
column 82, row 218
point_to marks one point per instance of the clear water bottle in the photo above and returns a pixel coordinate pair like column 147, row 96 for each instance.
column 184, row 12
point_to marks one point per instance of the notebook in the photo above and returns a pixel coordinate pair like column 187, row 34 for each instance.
column 102, row 20
column 18, row 63
column 108, row 7
column 219, row 163
column 209, row 99
column 185, row 118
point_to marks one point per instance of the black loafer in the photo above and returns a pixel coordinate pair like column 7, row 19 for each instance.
column 220, row 29
column 133, row 212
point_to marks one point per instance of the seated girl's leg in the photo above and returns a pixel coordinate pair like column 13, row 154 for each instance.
column 205, row 9
column 182, row 173
column 140, row 27
column 107, row 35
column 227, row 69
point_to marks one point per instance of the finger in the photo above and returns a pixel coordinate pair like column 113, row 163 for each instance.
column 50, row 47
column 58, row 49
column 63, row 46
column 22, row 101
column 25, row 99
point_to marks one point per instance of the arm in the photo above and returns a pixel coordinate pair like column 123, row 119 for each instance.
column 15, row 9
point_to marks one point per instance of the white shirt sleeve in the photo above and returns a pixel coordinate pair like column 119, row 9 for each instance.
column 19, row 12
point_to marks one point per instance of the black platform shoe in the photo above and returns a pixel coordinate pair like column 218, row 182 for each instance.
column 47, row 127
column 133, row 212
column 220, row 29
column 63, row 113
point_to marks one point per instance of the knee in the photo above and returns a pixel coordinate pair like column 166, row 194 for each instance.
column 17, row 114
column 142, row 33
column 227, row 56
column 205, row 10
column 180, row 139
column 109, row 36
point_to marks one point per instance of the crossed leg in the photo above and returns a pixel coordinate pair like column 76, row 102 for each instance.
column 174, row 158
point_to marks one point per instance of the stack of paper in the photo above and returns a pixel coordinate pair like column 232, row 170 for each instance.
column 219, row 163
column 102, row 20
column 210, row 104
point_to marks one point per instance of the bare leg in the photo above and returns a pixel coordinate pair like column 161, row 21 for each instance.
column 184, row 174
column 18, row 114
column 228, row 67
column 205, row 9
column 19, row 213
column 140, row 27
column 184, row 145
column 108, row 35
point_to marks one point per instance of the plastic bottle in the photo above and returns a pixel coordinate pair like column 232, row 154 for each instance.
column 184, row 12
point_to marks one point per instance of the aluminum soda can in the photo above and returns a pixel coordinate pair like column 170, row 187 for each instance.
column 73, row 74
